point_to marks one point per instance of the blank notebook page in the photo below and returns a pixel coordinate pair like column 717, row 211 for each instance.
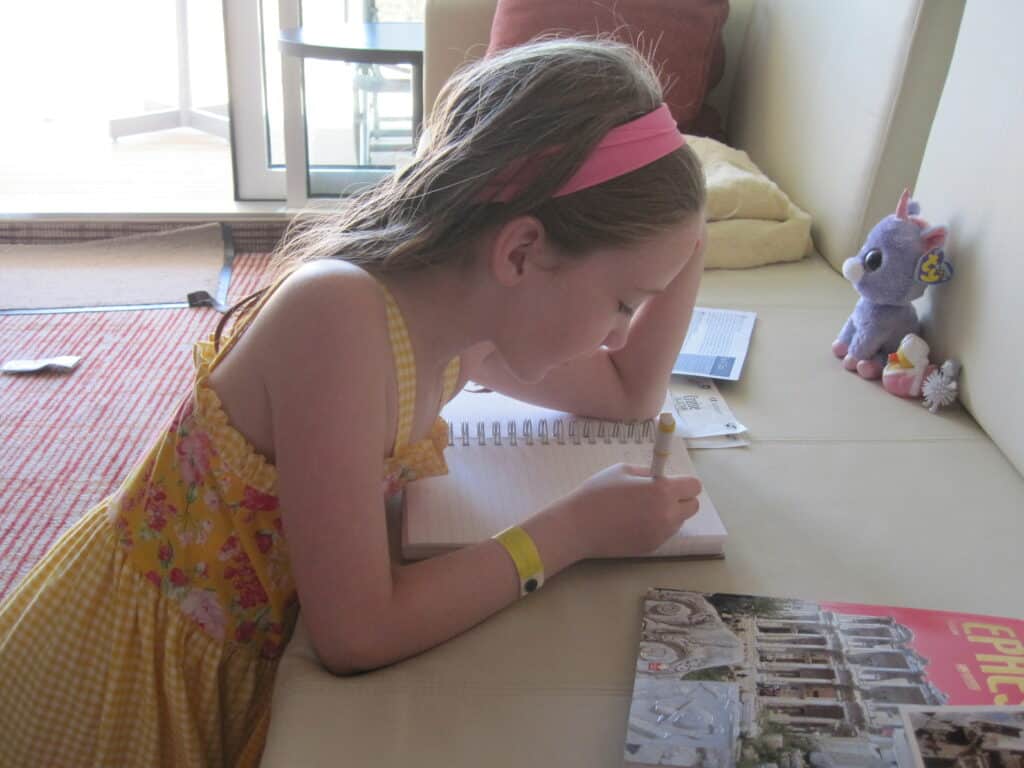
column 490, row 487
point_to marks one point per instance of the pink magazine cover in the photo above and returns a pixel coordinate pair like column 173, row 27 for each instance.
column 740, row 680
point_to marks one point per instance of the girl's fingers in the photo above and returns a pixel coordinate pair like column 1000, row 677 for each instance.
column 636, row 470
column 689, row 507
column 688, row 487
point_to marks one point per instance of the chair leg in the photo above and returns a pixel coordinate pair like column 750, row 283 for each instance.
column 376, row 115
column 364, row 132
column 357, row 120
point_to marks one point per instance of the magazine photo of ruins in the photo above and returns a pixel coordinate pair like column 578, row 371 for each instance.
column 966, row 737
column 726, row 680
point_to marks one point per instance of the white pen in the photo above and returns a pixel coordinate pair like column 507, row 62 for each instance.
column 663, row 443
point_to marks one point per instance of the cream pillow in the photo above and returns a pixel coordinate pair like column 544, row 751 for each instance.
column 751, row 222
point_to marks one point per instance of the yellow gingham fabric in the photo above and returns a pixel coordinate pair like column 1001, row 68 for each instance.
column 98, row 669
column 424, row 458
column 150, row 633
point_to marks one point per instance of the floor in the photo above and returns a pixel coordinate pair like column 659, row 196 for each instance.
column 67, row 440
column 181, row 172
column 57, row 160
column 176, row 171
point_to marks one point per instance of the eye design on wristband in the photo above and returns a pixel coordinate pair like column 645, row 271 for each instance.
column 521, row 548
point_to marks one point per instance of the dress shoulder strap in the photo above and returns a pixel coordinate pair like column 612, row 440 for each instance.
column 451, row 377
column 207, row 357
column 405, row 368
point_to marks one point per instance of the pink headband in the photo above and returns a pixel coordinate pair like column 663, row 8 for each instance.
column 623, row 149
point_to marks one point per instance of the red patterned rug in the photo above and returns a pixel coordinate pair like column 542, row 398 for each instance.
column 67, row 440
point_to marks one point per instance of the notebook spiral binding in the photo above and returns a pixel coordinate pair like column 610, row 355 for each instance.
column 550, row 432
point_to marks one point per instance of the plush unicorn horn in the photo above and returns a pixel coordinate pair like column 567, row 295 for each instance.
column 903, row 205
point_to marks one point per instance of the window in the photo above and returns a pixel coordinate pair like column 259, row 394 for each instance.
column 355, row 119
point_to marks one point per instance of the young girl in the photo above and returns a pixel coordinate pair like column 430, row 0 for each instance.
column 547, row 242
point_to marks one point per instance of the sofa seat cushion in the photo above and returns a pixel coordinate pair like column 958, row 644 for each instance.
column 845, row 493
column 792, row 387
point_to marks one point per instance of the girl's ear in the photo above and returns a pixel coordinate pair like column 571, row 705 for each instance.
column 518, row 244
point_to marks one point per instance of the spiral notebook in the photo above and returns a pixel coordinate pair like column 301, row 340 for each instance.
column 508, row 459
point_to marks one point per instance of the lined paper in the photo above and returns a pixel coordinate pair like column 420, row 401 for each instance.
column 490, row 487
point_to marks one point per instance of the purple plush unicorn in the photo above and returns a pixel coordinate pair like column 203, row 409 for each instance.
column 901, row 257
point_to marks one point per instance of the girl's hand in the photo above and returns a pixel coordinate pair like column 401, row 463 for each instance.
column 623, row 512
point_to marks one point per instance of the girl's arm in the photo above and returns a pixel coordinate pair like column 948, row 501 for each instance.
column 629, row 383
column 323, row 344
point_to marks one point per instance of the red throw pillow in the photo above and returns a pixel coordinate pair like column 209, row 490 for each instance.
column 690, row 52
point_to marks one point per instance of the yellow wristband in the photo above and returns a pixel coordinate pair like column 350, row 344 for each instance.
column 524, row 554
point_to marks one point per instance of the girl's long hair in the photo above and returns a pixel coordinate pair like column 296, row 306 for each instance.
column 564, row 93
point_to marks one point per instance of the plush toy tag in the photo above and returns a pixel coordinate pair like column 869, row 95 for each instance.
column 932, row 268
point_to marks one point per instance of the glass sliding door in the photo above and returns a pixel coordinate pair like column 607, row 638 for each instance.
column 354, row 120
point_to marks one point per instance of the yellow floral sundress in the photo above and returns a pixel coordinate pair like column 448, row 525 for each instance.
column 149, row 634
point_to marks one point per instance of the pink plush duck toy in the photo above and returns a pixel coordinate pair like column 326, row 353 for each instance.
column 907, row 368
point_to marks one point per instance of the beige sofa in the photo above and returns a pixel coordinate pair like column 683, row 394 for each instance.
column 846, row 492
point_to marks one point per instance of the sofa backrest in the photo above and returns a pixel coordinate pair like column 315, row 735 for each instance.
column 836, row 102
column 832, row 100
column 454, row 32
column 971, row 178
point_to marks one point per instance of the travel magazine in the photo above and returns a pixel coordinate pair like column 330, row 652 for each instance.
column 740, row 680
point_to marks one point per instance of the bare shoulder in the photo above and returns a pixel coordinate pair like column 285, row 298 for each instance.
column 323, row 330
column 326, row 331
column 324, row 313
column 322, row 292
column 325, row 361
